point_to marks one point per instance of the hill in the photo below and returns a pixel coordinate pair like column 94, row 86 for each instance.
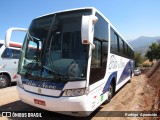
column 153, row 83
column 142, row 43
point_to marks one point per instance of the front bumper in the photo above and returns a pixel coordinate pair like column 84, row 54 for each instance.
column 74, row 106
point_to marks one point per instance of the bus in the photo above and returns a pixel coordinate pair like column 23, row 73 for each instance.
column 77, row 61
column 8, row 63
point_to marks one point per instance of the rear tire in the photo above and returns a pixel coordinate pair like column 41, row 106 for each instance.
column 111, row 92
column 130, row 78
column 4, row 81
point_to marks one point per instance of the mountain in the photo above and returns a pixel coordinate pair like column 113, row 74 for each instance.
column 142, row 43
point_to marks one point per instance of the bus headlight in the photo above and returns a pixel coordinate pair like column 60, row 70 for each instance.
column 75, row 92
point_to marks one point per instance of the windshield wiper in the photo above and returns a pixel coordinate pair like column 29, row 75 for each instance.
column 49, row 41
column 56, row 75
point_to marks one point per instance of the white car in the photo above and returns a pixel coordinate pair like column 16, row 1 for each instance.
column 137, row 71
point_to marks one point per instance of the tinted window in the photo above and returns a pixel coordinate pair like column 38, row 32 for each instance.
column 120, row 45
column 7, row 53
column 1, row 45
column 127, row 51
column 124, row 49
column 114, row 41
column 96, row 55
column 16, row 53
column 99, row 54
column 132, row 54
column 104, row 53
column 11, row 53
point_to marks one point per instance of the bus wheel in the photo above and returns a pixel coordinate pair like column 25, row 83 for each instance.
column 4, row 81
column 110, row 92
column 130, row 78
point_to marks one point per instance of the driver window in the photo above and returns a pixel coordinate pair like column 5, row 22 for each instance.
column 100, row 53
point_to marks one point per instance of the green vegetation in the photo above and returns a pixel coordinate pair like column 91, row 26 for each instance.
column 152, row 55
column 139, row 59
column 153, row 52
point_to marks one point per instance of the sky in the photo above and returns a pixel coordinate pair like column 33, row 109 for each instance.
column 132, row 18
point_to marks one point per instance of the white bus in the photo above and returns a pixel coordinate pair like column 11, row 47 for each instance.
column 8, row 63
column 77, row 62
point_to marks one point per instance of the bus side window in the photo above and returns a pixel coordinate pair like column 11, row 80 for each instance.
column 100, row 53
column 1, row 45
column 114, row 42
column 121, row 45
column 7, row 53
column 96, row 55
column 124, row 48
column 16, row 54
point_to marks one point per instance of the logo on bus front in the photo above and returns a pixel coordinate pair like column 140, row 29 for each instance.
column 39, row 90
column 43, row 84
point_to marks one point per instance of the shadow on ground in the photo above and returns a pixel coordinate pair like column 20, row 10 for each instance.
column 19, row 106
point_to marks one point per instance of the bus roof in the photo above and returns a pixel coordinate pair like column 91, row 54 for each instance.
column 93, row 11
column 67, row 11
column 12, row 44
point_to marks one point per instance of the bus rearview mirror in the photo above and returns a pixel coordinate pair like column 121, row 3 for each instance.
column 87, row 29
column 9, row 33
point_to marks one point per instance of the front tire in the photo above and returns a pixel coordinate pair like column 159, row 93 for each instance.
column 4, row 81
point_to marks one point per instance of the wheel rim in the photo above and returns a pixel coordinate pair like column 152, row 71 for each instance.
column 3, row 82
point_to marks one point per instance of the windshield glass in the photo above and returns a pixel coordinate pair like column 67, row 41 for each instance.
column 53, row 50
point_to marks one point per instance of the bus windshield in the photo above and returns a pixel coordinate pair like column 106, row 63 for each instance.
column 53, row 50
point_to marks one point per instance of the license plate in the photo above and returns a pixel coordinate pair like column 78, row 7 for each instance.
column 40, row 102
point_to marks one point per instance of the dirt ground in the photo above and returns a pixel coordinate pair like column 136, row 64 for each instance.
column 127, row 99
column 141, row 94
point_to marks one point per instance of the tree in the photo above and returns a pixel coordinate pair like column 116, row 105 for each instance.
column 139, row 59
column 153, row 52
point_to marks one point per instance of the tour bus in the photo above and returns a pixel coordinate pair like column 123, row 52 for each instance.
column 77, row 61
column 8, row 63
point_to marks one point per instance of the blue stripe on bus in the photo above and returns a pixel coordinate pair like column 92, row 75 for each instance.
column 126, row 72
column 106, row 87
column 44, row 84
